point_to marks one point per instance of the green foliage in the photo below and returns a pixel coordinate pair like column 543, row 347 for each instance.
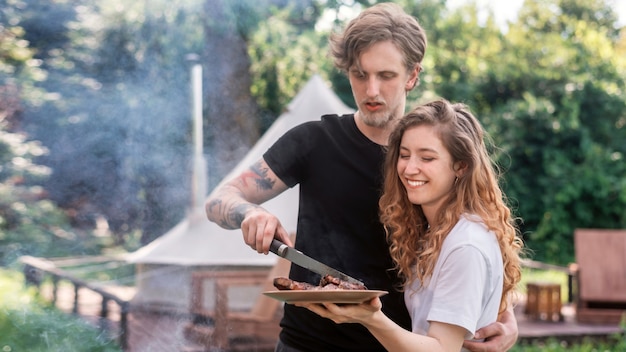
column 568, row 155
column 283, row 59
column 117, row 119
column 29, row 222
column 551, row 93
column 550, row 90
column 117, row 123
column 33, row 225
column 614, row 343
column 27, row 325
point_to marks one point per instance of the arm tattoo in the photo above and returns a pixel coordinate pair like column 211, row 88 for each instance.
column 223, row 220
column 229, row 207
column 231, row 215
column 237, row 214
column 213, row 203
column 231, row 211
column 262, row 181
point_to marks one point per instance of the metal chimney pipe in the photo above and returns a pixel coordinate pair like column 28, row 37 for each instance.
column 199, row 177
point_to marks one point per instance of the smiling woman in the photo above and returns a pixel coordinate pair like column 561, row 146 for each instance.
column 451, row 235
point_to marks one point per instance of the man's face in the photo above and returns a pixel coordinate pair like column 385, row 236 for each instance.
column 380, row 84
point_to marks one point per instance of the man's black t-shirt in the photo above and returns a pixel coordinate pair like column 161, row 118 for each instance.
column 339, row 171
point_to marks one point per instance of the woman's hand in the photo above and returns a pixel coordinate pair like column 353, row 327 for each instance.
column 345, row 313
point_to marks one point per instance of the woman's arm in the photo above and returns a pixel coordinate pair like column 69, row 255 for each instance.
column 441, row 336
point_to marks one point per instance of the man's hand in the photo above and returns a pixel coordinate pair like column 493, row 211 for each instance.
column 259, row 228
column 499, row 336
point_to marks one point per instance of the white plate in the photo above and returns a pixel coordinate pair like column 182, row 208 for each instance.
column 318, row 296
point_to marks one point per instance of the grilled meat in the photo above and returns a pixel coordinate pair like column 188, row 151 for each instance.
column 341, row 284
column 283, row 284
column 327, row 282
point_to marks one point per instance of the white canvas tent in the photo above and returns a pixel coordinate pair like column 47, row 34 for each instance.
column 165, row 265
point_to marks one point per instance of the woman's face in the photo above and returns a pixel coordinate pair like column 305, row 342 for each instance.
column 426, row 169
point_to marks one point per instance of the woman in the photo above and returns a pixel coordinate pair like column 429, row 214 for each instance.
column 451, row 234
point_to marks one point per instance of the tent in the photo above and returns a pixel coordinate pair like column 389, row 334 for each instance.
column 165, row 265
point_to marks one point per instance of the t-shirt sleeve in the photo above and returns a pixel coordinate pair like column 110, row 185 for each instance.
column 458, row 291
column 287, row 156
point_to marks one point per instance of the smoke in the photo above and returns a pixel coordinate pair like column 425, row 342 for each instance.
column 117, row 116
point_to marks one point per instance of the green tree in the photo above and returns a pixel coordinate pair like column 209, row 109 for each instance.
column 117, row 120
column 550, row 92
column 284, row 55
column 106, row 92
column 582, row 183
column 29, row 222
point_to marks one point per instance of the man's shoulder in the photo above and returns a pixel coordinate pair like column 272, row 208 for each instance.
column 328, row 123
column 334, row 123
column 325, row 120
column 337, row 118
column 313, row 133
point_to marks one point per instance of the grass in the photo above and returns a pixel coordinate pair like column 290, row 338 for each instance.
column 28, row 324
column 613, row 344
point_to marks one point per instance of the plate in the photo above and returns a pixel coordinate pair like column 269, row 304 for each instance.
column 318, row 296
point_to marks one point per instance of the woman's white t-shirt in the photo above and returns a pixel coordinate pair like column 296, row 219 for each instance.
column 466, row 285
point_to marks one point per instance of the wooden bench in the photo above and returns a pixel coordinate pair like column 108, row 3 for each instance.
column 600, row 275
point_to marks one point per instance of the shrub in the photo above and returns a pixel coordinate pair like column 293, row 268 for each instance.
column 27, row 324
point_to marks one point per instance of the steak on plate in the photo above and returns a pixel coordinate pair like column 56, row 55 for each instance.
column 327, row 282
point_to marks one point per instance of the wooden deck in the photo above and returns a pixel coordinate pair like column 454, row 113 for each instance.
column 158, row 332
column 149, row 331
column 568, row 329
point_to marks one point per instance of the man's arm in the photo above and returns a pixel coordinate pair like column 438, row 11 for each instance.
column 499, row 336
column 236, row 205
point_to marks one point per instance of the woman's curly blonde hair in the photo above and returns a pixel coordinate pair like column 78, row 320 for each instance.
column 476, row 192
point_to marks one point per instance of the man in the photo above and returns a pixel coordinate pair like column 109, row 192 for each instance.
column 338, row 164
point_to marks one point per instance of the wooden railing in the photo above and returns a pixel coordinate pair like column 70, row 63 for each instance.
column 35, row 270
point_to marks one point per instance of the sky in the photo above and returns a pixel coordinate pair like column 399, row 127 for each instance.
column 504, row 10
column 507, row 10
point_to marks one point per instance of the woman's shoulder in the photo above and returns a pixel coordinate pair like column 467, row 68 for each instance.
column 470, row 222
column 470, row 229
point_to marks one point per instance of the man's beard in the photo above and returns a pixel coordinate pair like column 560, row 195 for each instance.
column 376, row 119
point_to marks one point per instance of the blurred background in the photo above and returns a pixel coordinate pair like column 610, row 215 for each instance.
column 95, row 114
column 97, row 136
